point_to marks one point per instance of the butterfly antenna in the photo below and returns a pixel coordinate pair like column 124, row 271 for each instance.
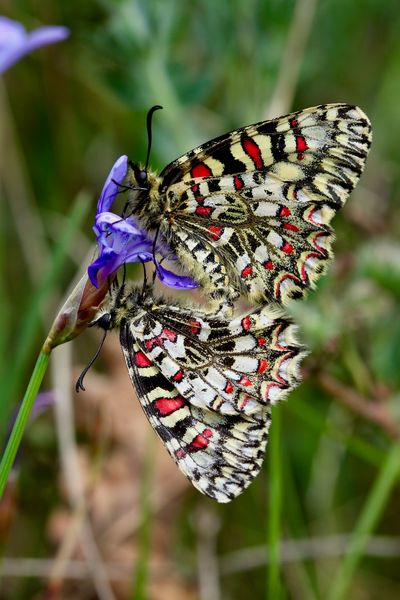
column 144, row 286
column 149, row 133
column 79, row 384
column 154, row 250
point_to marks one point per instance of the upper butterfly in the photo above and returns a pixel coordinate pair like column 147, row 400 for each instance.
column 249, row 212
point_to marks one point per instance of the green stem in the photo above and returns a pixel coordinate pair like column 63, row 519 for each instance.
column 274, row 512
column 22, row 419
column 367, row 522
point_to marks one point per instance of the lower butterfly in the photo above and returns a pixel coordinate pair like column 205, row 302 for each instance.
column 206, row 383
column 249, row 212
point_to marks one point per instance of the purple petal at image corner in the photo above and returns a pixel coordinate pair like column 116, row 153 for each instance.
column 16, row 42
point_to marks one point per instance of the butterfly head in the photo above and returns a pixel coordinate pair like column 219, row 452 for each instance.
column 138, row 176
column 144, row 200
column 125, row 302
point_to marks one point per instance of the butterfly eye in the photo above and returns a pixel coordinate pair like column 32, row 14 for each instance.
column 141, row 177
column 104, row 322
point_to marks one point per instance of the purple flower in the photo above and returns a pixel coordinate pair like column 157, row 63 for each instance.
column 121, row 240
column 15, row 42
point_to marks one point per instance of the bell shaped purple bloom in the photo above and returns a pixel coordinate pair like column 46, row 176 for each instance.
column 15, row 41
column 121, row 240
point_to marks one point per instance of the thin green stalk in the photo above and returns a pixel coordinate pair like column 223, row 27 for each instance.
column 22, row 418
column 274, row 510
column 367, row 522
column 30, row 321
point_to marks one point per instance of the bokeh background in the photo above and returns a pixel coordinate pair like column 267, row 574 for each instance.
column 95, row 507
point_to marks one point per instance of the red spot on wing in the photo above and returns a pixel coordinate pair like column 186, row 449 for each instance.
column 261, row 341
column 293, row 123
column 141, row 360
column 170, row 335
column 198, row 443
column 262, row 365
column 284, row 212
column 253, row 151
column 167, row 406
column 300, row 156
column 269, row 265
column 215, row 232
column 290, row 227
column 201, row 170
column 287, row 248
column 203, row 211
column 180, row 453
column 246, row 322
column 247, row 271
column 244, row 401
column 229, row 387
column 195, row 327
column 159, row 340
column 195, row 188
column 245, row 381
column 301, row 144
column 178, row 376
column 238, row 182
column 207, row 433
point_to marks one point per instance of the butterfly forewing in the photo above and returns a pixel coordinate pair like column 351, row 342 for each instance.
column 207, row 384
column 250, row 211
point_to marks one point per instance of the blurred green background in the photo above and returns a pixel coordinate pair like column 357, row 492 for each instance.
column 322, row 519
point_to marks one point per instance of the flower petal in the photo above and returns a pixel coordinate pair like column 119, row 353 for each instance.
column 109, row 224
column 173, row 280
column 108, row 260
column 110, row 189
column 15, row 42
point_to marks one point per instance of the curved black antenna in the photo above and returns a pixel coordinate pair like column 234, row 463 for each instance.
column 79, row 384
column 154, row 250
column 149, row 136
column 144, row 286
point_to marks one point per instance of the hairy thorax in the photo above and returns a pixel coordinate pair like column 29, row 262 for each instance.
column 147, row 205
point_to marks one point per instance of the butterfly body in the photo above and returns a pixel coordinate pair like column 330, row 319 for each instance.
column 206, row 383
column 249, row 212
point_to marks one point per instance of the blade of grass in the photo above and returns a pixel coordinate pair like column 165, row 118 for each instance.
column 274, row 509
column 313, row 418
column 22, row 418
column 31, row 323
column 367, row 522
column 297, row 528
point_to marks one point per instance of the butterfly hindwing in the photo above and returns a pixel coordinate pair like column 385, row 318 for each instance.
column 249, row 212
column 207, row 384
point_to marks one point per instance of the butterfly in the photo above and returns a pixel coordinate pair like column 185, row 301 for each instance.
column 249, row 212
column 206, row 384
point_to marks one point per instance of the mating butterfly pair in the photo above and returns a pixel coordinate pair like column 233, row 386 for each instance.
column 246, row 214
